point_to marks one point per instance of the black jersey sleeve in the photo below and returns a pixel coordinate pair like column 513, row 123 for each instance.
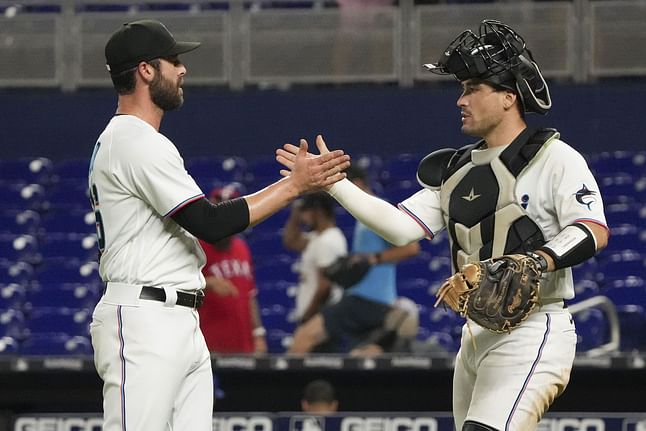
column 212, row 222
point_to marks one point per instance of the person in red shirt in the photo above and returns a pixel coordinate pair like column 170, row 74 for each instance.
column 230, row 318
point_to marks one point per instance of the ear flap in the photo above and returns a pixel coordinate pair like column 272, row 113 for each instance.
column 532, row 88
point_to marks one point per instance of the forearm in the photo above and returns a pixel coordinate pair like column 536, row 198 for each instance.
column 271, row 199
column 378, row 215
column 256, row 322
column 396, row 254
column 212, row 223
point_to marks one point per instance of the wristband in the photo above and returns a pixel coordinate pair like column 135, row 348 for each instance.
column 259, row 331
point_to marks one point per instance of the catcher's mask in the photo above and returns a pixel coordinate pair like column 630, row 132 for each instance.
column 497, row 54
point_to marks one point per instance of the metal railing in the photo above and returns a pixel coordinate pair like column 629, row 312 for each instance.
column 248, row 43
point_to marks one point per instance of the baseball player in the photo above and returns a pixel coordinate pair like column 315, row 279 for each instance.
column 516, row 191
column 148, row 348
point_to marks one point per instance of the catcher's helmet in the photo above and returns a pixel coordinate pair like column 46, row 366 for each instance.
column 497, row 54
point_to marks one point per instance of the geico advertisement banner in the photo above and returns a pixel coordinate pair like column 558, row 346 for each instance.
column 346, row 422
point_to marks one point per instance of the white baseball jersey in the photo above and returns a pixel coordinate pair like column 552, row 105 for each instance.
column 556, row 189
column 151, row 355
column 138, row 180
column 322, row 249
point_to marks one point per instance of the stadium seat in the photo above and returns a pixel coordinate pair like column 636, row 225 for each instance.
column 12, row 295
column 63, row 270
column 619, row 265
column 16, row 272
column 70, row 221
column 68, row 195
column 276, row 317
column 224, row 169
column 632, row 320
column 261, row 172
column 628, row 290
column 8, row 346
column 415, row 288
column 584, row 289
column 72, row 169
column 22, row 196
column 57, row 344
column 27, row 170
column 12, row 323
column 265, row 243
column 274, row 292
column 592, row 329
column 609, row 162
column 625, row 213
column 281, row 267
column 278, row 340
column 71, row 245
column 396, row 192
column 52, row 320
column 19, row 222
column 372, row 164
column 65, row 295
column 402, row 167
column 20, row 248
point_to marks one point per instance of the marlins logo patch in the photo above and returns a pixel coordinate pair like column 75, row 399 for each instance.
column 585, row 196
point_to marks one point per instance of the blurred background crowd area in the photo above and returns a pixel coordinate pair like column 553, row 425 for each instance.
column 270, row 71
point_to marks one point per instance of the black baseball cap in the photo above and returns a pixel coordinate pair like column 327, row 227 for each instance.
column 142, row 40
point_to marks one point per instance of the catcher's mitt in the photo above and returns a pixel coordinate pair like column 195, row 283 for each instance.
column 347, row 271
column 497, row 293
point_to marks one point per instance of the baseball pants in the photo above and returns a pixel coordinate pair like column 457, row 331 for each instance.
column 508, row 381
column 154, row 363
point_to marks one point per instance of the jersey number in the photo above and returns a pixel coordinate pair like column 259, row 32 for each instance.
column 100, row 233
column 94, row 198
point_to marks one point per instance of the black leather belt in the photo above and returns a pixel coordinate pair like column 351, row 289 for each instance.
column 184, row 299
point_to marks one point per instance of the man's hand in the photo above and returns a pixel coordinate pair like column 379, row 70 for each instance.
column 309, row 171
column 221, row 286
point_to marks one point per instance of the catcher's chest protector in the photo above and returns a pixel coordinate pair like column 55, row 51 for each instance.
column 480, row 209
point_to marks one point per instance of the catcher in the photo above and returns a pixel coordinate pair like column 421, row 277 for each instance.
column 521, row 207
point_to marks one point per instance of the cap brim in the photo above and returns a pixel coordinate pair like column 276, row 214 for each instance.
column 184, row 47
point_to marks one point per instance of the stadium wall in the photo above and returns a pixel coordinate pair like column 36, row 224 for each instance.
column 379, row 120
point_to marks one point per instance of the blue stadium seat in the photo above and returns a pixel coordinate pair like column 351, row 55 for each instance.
column 70, row 220
column 224, row 169
column 274, row 292
column 607, row 163
column 20, row 222
column 57, row 344
column 585, row 288
column 16, row 272
column 71, row 245
column 265, row 243
column 415, row 267
column 396, row 192
column 20, row 248
column 278, row 340
column 415, row 288
column 63, row 270
column 22, row 196
column 592, row 329
column 632, row 321
column 440, row 340
column 12, row 323
column 402, row 167
column 629, row 290
column 65, row 295
column 68, row 195
column 29, row 170
column 625, row 237
column 372, row 164
column 52, row 320
column 72, row 169
column 622, row 184
column 280, row 267
column 276, row 316
column 261, row 172
column 619, row 265
column 8, row 346
column 12, row 295
column 625, row 213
